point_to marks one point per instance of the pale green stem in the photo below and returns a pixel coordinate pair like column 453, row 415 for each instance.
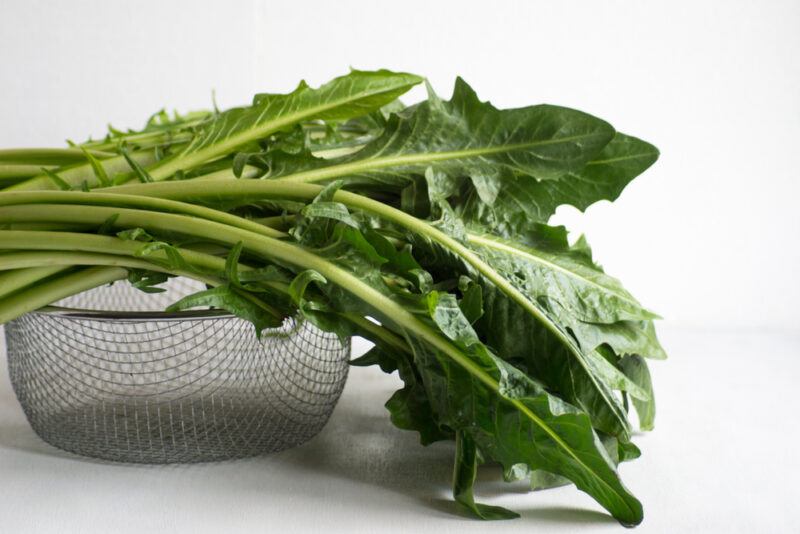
column 55, row 289
column 79, row 174
column 99, row 244
column 132, row 201
column 48, row 156
column 11, row 281
column 10, row 173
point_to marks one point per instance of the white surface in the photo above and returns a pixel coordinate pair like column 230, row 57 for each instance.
column 722, row 459
column 705, row 238
column 702, row 237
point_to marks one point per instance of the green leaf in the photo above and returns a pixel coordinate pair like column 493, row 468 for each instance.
column 541, row 346
column 466, row 468
column 409, row 407
column 228, row 298
column 352, row 95
column 521, row 202
column 132, row 234
column 330, row 210
column 99, row 171
column 541, row 479
column 464, row 137
column 379, row 356
column 254, row 159
column 270, row 273
column 107, row 228
column 174, row 260
column 582, row 289
column 146, row 281
column 635, row 368
column 232, row 264
column 471, row 302
column 297, row 288
column 625, row 337
column 525, row 332
column 513, row 419
column 57, row 180
column 615, row 378
column 138, row 170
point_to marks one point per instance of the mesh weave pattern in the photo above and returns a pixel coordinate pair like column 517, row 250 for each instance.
column 170, row 390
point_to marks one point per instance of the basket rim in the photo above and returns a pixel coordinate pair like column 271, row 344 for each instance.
column 110, row 315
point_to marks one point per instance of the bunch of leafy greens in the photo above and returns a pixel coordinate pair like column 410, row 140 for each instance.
column 422, row 228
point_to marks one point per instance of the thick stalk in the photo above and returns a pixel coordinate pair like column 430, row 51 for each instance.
column 158, row 204
column 48, row 156
column 276, row 222
column 10, row 173
column 37, row 259
column 31, row 298
column 57, row 288
column 46, row 253
column 7, row 181
column 75, row 176
column 11, row 281
column 80, row 251
column 66, row 242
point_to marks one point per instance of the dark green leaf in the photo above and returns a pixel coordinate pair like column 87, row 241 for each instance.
column 352, row 95
column 521, row 202
column 466, row 467
column 228, row 298
column 513, row 419
column 232, row 264
column 147, row 281
column 583, row 290
column 464, row 137
column 635, row 368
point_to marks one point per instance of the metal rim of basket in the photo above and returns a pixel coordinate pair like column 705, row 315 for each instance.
column 106, row 315
column 135, row 316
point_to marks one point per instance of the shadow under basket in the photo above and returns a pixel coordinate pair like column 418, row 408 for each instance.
column 131, row 385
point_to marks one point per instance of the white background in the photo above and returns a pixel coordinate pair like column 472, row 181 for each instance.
column 707, row 237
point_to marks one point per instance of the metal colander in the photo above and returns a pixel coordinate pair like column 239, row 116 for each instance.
column 138, row 386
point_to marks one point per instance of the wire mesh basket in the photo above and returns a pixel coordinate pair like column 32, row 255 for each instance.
column 150, row 387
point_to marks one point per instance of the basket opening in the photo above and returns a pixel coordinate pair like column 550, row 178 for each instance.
column 121, row 296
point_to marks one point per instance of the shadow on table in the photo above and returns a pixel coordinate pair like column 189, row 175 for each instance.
column 21, row 437
column 360, row 444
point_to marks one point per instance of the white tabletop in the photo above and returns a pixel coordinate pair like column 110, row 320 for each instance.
column 722, row 459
